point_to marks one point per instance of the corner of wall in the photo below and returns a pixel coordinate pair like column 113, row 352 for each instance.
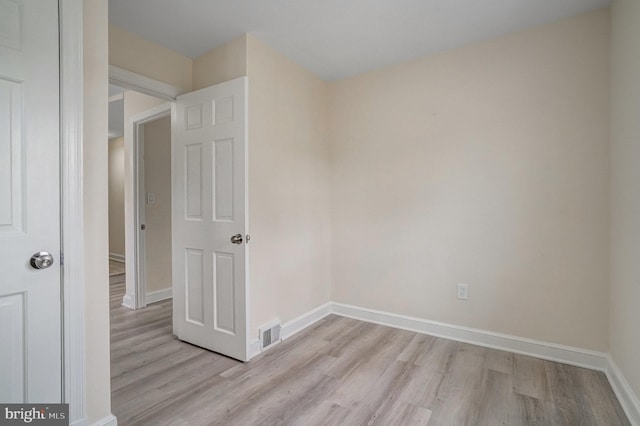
column 624, row 203
column 136, row 54
column 288, row 186
column 223, row 63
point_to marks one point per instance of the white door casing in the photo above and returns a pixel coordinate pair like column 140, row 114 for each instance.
column 30, row 310
column 209, row 202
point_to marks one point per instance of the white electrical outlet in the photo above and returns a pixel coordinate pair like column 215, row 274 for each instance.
column 463, row 291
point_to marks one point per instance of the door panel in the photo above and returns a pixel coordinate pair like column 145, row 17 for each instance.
column 11, row 169
column 13, row 332
column 193, row 191
column 195, row 287
column 223, row 180
column 30, row 355
column 209, row 204
column 224, row 294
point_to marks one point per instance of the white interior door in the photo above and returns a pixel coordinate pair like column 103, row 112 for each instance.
column 30, row 352
column 209, row 208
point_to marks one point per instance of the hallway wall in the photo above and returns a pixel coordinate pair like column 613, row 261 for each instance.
column 116, row 198
column 157, row 177
column 625, row 190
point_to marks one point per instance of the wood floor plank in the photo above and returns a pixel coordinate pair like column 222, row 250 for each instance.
column 458, row 399
column 324, row 413
column 600, row 396
column 384, row 402
column 116, row 268
column 341, row 372
column 501, row 361
column 403, row 413
column 533, row 411
column 497, row 405
column 415, row 351
column 529, row 377
column 569, row 398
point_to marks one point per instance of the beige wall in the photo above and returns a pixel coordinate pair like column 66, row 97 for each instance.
column 96, row 221
column 221, row 64
column 116, row 196
column 133, row 53
column 486, row 165
column 288, row 188
column 157, row 178
column 625, row 189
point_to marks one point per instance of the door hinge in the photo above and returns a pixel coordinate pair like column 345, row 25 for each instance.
column 143, row 227
column 61, row 259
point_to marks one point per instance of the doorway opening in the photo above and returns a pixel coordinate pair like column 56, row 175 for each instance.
column 152, row 210
column 139, row 198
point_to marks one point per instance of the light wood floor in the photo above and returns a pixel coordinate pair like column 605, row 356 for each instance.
column 341, row 372
column 116, row 268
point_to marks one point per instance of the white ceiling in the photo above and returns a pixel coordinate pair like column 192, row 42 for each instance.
column 337, row 38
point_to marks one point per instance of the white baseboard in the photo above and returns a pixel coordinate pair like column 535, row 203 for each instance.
column 110, row 420
column 305, row 320
column 627, row 397
column 127, row 301
column 254, row 348
column 535, row 348
column 151, row 297
column 116, row 257
column 156, row 296
column 294, row 326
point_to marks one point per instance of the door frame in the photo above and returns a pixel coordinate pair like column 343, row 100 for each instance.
column 143, row 84
column 72, row 211
column 134, row 297
column 137, row 186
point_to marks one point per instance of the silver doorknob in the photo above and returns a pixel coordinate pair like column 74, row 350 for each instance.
column 237, row 239
column 41, row 260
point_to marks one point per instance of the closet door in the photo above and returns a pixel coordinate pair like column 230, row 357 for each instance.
column 30, row 352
